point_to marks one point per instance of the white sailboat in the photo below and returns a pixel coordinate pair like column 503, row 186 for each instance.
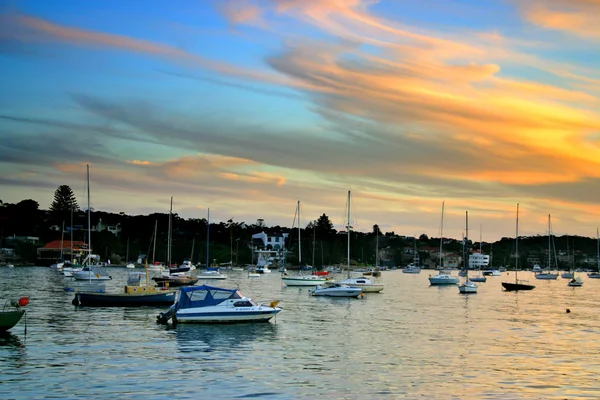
column 302, row 280
column 596, row 275
column 548, row 275
column 366, row 284
column 413, row 268
column 442, row 278
column 468, row 286
column 210, row 272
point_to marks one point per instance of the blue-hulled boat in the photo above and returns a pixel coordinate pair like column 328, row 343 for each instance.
column 208, row 304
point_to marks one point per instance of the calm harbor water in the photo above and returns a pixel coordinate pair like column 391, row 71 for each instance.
column 412, row 341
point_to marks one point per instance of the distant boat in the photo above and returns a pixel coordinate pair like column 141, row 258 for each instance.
column 207, row 304
column 548, row 275
column 516, row 286
column 413, row 268
column 336, row 290
column 442, row 278
column 301, row 280
column 596, row 275
column 467, row 287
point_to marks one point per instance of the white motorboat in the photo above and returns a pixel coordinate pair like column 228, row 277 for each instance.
column 210, row 274
column 10, row 265
column 91, row 273
column 207, row 304
column 262, row 269
column 411, row 269
column 336, row 290
column 443, row 279
column 367, row 285
column 467, row 287
column 130, row 265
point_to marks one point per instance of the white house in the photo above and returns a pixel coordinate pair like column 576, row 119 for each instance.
column 268, row 249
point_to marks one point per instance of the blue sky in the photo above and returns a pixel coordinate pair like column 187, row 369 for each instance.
column 248, row 106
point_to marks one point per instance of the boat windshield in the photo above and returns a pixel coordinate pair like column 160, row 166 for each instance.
column 202, row 296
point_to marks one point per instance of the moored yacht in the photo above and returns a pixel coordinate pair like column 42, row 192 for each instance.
column 336, row 290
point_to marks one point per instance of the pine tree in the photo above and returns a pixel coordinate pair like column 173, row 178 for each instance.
column 64, row 200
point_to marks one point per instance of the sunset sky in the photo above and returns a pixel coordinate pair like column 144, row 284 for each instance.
column 245, row 107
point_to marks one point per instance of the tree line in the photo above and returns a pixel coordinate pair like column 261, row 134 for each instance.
column 232, row 240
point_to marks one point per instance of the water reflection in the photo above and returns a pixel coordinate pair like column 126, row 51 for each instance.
column 228, row 338
column 12, row 351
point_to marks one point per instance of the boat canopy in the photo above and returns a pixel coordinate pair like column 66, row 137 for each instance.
column 203, row 296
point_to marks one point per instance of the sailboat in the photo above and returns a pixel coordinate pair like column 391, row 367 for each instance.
column 575, row 281
column 60, row 262
column 413, row 268
column 442, row 278
column 478, row 259
column 596, row 275
column 570, row 273
column 348, row 287
column 129, row 264
column 175, row 276
column 548, row 275
column 210, row 272
column 90, row 272
column 468, row 286
column 510, row 286
column 302, row 280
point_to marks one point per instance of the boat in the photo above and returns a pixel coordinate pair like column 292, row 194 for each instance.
column 134, row 295
column 336, row 290
column 575, row 282
column 127, row 263
column 570, row 274
column 10, row 266
column 413, row 268
column 208, row 304
column 59, row 264
column 367, row 285
column 442, row 278
column 262, row 269
column 516, row 285
column 91, row 273
column 596, row 275
column 12, row 312
column 301, row 280
column 211, row 274
column 467, row 287
column 174, row 280
column 548, row 275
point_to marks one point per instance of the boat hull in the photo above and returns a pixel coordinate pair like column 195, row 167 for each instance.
column 124, row 299
column 221, row 317
column 467, row 289
column 478, row 279
column 435, row 281
column 411, row 270
column 175, row 281
column 513, row 287
column 9, row 319
column 303, row 281
column 594, row 275
column 546, row 276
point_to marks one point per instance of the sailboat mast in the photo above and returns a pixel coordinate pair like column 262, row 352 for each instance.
column 62, row 235
column 314, row 242
column 377, row 248
column 127, row 254
column 598, row 248
column 170, row 235
column 71, row 233
column 154, row 247
column 466, row 244
column 89, row 225
column 192, row 255
column 517, row 246
column 442, row 238
column 299, row 241
column 348, row 228
column 549, row 246
column 207, row 236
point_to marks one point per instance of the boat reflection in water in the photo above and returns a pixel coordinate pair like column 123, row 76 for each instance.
column 229, row 337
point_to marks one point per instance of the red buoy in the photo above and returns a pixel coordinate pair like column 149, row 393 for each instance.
column 23, row 301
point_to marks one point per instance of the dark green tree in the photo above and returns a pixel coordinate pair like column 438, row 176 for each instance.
column 64, row 200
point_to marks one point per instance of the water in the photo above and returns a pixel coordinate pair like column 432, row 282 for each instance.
column 412, row 340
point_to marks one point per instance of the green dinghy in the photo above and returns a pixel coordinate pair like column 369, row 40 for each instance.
column 12, row 312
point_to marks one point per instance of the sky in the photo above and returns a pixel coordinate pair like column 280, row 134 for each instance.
column 246, row 107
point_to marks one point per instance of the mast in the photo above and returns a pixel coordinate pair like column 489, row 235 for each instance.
column 231, row 243
column 598, row 248
column 207, row 237
column 127, row 254
column 154, row 247
column 169, row 236
column 442, row 239
column 517, row 246
column 349, row 227
column 192, row 255
column 71, row 234
column 549, row 246
column 314, row 242
column 89, row 225
column 377, row 248
column 62, row 235
column 466, row 245
column 299, row 241
column 480, row 246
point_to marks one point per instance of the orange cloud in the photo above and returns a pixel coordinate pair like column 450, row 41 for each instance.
column 581, row 17
column 139, row 162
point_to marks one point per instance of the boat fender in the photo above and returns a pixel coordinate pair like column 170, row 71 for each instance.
column 362, row 295
column 98, row 276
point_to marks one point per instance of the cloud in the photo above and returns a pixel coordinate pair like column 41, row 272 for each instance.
column 579, row 17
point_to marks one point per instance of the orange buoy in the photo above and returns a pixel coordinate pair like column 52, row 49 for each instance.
column 23, row 301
